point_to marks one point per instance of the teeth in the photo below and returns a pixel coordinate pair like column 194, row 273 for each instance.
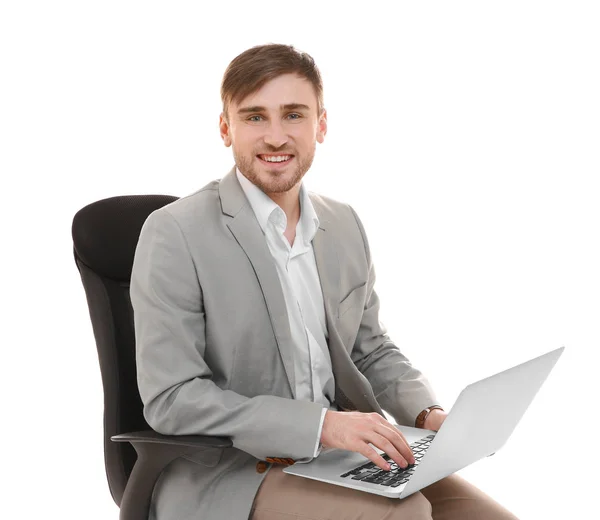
column 278, row 158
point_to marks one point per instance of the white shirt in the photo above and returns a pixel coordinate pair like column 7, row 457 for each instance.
column 297, row 270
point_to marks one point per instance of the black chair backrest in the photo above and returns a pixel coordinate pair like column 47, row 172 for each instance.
column 105, row 235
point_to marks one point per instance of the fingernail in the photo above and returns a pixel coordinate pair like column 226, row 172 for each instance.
column 388, row 467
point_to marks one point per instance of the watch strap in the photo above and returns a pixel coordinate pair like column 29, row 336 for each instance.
column 420, row 422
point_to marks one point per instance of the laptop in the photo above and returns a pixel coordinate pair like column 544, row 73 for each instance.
column 479, row 424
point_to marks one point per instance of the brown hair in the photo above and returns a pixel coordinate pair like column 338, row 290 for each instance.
column 249, row 71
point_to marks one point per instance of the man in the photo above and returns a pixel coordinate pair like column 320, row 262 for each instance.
column 256, row 319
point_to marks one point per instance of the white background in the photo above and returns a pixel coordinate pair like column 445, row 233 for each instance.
column 465, row 134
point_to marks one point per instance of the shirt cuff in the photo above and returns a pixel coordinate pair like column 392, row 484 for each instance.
column 318, row 446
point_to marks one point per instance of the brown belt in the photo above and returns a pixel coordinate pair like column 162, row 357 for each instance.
column 278, row 460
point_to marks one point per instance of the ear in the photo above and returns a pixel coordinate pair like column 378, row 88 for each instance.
column 322, row 127
column 224, row 129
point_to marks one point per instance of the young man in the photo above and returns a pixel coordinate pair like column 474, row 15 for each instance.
column 256, row 319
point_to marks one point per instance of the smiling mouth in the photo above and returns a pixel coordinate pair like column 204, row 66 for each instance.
column 275, row 160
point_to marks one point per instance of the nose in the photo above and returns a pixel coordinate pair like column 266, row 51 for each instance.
column 275, row 134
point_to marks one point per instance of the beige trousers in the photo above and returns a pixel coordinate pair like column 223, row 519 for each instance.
column 288, row 497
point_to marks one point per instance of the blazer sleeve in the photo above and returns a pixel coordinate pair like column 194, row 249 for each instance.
column 400, row 388
column 174, row 380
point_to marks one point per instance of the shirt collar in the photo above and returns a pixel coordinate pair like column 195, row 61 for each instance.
column 265, row 209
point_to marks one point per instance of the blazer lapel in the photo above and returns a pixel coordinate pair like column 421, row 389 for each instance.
column 247, row 232
column 349, row 382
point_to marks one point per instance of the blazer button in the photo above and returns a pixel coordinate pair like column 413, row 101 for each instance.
column 261, row 466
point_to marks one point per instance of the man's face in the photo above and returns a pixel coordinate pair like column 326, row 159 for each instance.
column 273, row 133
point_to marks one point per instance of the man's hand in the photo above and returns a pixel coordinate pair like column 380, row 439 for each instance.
column 353, row 431
column 435, row 419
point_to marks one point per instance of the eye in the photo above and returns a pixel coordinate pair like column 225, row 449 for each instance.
column 252, row 118
column 298, row 116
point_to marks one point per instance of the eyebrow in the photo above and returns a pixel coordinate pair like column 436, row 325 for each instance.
column 289, row 106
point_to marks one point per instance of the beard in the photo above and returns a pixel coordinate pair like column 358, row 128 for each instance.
column 272, row 181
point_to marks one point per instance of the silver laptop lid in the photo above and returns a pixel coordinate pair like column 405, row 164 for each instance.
column 482, row 419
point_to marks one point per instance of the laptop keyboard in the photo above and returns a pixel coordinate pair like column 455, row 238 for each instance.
column 370, row 472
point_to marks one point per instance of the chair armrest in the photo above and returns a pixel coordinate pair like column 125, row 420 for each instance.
column 155, row 451
column 194, row 441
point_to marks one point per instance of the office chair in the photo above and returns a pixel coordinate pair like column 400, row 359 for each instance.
column 105, row 235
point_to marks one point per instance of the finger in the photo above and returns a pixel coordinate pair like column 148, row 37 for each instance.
column 401, row 454
column 400, row 442
column 399, row 450
column 373, row 456
column 387, row 447
column 396, row 437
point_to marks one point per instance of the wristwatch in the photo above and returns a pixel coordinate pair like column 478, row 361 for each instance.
column 420, row 422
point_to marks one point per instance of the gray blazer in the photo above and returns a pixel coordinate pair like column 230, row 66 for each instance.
column 214, row 352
